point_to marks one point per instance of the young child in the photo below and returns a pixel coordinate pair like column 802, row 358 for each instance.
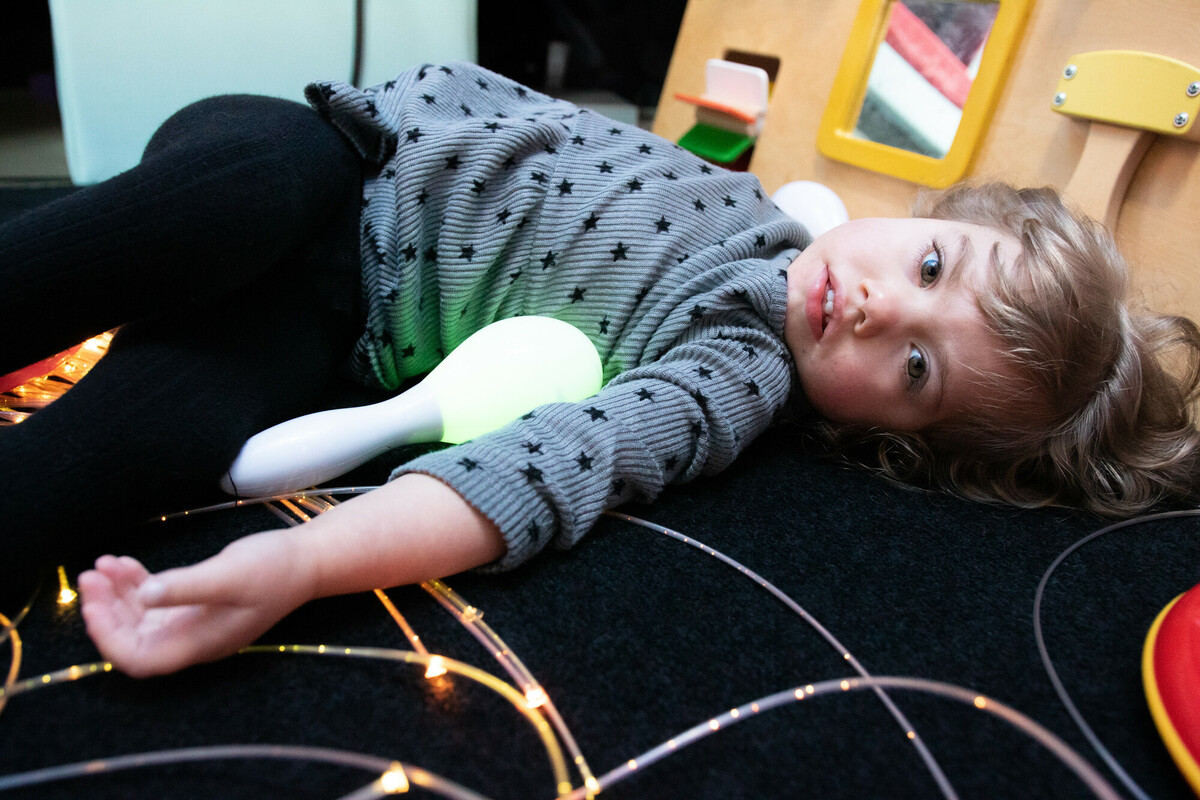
column 994, row 318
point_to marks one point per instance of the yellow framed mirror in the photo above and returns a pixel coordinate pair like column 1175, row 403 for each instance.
column 917, row 85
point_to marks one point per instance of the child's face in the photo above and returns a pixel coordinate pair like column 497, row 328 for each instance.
column 883, row 324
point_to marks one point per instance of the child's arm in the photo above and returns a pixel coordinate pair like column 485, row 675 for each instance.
column 410, row 530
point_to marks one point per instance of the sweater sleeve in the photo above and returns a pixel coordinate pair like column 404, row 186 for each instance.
column 545, row 478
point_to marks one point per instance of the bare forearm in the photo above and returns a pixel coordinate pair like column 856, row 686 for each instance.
column 412, row 529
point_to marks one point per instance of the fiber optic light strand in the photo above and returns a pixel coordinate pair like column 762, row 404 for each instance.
column 471, row 618
column 14, row 668
column 557, row 763
column 1109, row 760
column 1082, row 769
column 535, row 695
column 384, row 767
column 922, row 749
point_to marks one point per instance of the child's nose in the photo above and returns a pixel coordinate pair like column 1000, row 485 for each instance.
column 878, row 310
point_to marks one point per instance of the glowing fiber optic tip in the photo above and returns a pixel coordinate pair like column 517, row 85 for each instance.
column 981, row 702
column 394, row 781
column 536, row 697
column 845, row 686
column 437, row 666
column 66, row 595
column 592, row 784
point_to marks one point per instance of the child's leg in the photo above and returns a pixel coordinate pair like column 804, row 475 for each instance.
column 227, row 188
column 155, row 424
column 232, row 246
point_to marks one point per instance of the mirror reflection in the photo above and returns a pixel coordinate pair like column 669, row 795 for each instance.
column 922, row 73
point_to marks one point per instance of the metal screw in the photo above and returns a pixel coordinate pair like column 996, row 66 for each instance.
column 1193, row 89
column 1181, row 119
column 1070, row 71
column 1060, row 98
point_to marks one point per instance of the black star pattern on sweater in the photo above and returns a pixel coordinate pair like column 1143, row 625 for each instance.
column 538, row 177
column 422, row 197
column 533, row 447
column 604, row 166
column 408, row 351
column 760, row 241
column 641, row 295
column 634, row 185
column 697, row 429
column 503, row 216
column 549, row 148
column 751, row 387
column 619, row 252
column 482, row 84
column 414, row 134
column 604, row 325
column 534, row 532
column 697, row 312
column 492, row 126
column 468, row 252
column 584, row 461
column 750, row 351
column 429, row 99
column 548, row 260
column 596, row 414
column 564, row 187
column 644, row 148
column 671, row 463
column 698, row 205
column 645, row 394
column 468, row 464
column 446, row 70
column 577, row 295
column 706, row 169
column 614, row 131
column 700, row 399
column 478, row 185
column 730, row 202
column 671, row 176
column 578, row 140
column 663, row 225
column 409, row 252
column 589, row 224
column 531, row 473
column 528, row 416
column 452, row 162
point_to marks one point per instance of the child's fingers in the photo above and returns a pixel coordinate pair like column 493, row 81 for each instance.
column 198, row 584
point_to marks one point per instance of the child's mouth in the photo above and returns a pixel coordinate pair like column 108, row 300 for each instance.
column 827, row 308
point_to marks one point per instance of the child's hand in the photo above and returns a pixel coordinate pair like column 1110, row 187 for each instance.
column 155, row 624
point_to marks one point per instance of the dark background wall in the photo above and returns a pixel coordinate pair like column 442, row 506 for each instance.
column 620, row 45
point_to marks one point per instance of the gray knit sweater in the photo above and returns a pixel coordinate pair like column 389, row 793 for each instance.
column 485, row 200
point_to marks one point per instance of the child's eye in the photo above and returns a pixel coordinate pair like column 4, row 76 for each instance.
column 915, row 367
column 931, row 266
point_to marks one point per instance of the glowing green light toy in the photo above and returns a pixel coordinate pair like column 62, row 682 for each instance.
column 499, row 373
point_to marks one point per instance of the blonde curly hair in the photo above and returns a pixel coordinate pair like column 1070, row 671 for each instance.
column 1101, row 416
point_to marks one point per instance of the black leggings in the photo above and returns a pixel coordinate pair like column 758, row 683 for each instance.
column 230, row 257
